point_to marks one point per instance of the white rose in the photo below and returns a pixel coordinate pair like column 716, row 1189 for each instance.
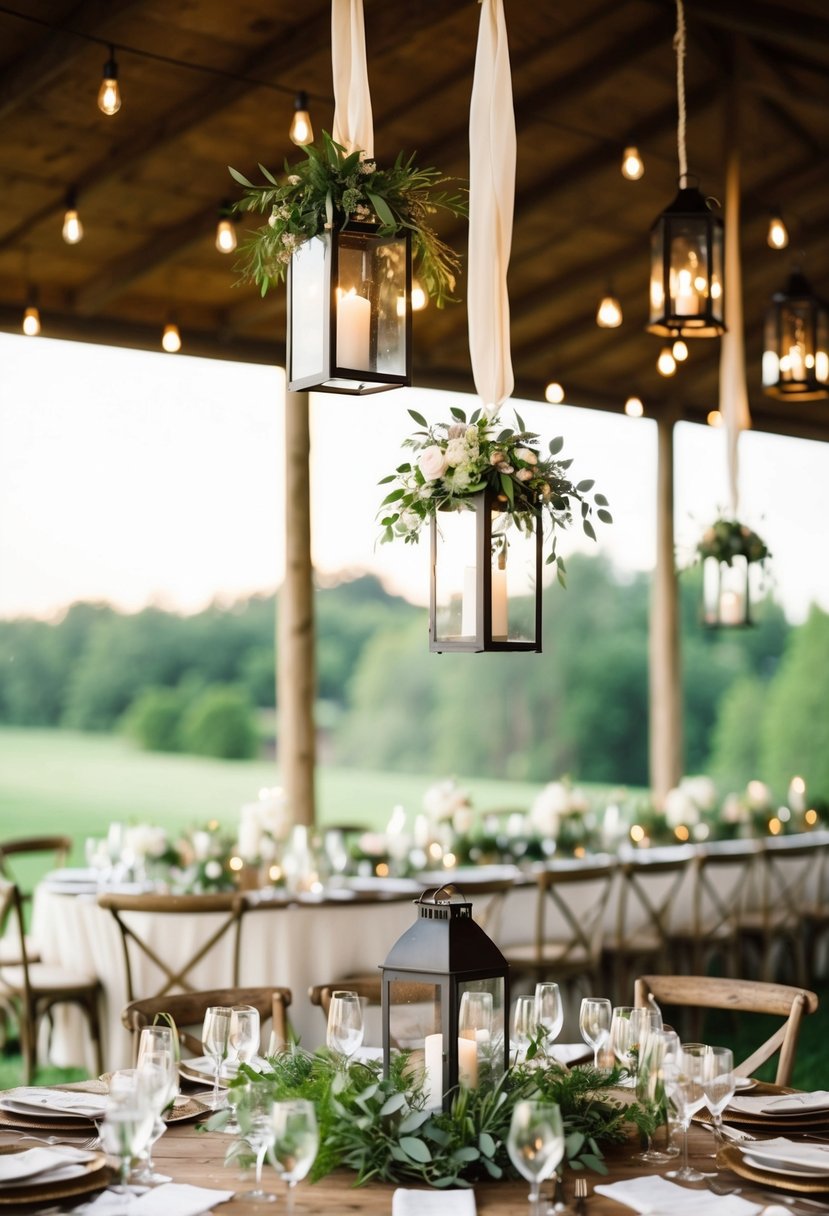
column 432, row 462
column 548, row 808
column 524, row 474
column 456, row 452
column 527, row 455
column 680, row 809
column 701, row 790
column 444, row 799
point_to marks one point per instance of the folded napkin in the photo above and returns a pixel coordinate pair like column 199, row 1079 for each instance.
column 659, row 1197
column 782, row 1104
column 17, row 1168
column 31, row 1099
column 790, row 1152
column 169, row 1199
column 570, row 1053
column 432, row 1203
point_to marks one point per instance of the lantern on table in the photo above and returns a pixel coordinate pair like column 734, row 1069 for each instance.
column 442, row 982
column 796, row 347
column 485, row 580
column 349, row 311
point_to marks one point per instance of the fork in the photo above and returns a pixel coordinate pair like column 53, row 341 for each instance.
column 581, row 1196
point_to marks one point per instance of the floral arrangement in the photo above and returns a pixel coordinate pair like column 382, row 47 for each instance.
column 332, row 187
column 727, row 539
column 456, row 460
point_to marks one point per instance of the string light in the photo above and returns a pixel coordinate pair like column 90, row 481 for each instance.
column 714, row 418
column 301, row 132
column 554, row 393
column 778, row 234
column 171, row 338
column 609, row 314
column 679, row 350
column 634, row 407
column 666, row 363
column 109, row 94
column 72, row 231
column 225, row 231
column 632, row 164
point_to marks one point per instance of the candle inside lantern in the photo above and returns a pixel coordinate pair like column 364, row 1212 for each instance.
column 433, row 1056
column 731, row 608
column 687, row 300
column 468, row 1062
column 469, row 605
column 353, row 331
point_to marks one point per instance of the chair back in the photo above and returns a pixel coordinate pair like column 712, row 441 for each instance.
column 222, row 914
column 789, row 869
column 743, row 996
column 187, row 1010
column 368, row 987
column 30, row 850
column 11, row 923
column 570, row 908
column 649, row 893
column 724, row 874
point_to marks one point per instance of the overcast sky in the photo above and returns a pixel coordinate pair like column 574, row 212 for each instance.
column 137, row 477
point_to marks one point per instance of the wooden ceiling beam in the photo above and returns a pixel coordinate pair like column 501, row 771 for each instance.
column 771, row 23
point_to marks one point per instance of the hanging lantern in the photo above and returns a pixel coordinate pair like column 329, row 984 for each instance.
column 485, row 591
column 796, row 348
column 440, row 971
column 687, row 269
column 349, row 312
column 726, row 593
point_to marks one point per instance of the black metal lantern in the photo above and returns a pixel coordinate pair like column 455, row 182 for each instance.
column 726, row 593
column 349, row 312
column 796, row 347
column 485, row 587
column 439, row 964
column 686, row 294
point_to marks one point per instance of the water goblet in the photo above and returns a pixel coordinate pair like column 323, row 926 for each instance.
column 650, row 1085
column 296, row 1140
column 125, row 1128
column 535, row 1144
column 549, row 1013
column 156, row 1078
column 718, row 1086
column 474, row 1034
column 683, row 1084
column 523, row 1023
column 242, row 1044
column 345, row 1024
column 255, row 1107
column 594, row 1024
column 215, row 1034
column 628, row 1027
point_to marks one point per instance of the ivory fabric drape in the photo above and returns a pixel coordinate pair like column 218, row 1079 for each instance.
column 733, row 392
column 353, row 121
column 492, row 152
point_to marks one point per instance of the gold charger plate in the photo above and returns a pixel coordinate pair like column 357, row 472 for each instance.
column 8, row 1118
column 191, row 1109
column 96, row 1176
column 816, row 1120
column 730, row 1157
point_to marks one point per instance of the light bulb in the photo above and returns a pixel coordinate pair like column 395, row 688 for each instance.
column 301, row 132
column 419, row 297
column 31, row 321
column 714, row 418
column 632, row 164
column 679, row 350
column 609, row 315
column 634, row 407
column 666, row 363
column 778, row 234
column 554, row 393
column 72, row 231
column 109, row 95
column 171, row 338
column 225, row 236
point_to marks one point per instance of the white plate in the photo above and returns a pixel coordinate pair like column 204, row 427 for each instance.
column 57, row 1104
column 772, row 1166
column 796, row 1154
column 743, row 1083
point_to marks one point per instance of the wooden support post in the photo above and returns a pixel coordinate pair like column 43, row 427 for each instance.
column 665, row 667
column 296, row 674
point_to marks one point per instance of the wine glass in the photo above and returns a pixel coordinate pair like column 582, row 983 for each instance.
column 549, row 1013
column 683, row 1085
column 255, row 1107
column 156, row 1077
column 650, row 1084
column 126, row 1127
column 594, row 1024
column 628, row 1028
column 523, row 1023
column 718, row 1086
column 535, row 1144
column 345, row 1024
column 215, row 1034
column 296, row 1141
column 242, row 1044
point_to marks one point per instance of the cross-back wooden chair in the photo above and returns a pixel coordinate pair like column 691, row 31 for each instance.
column 30, row 990
column 721, row 877
column 742, row 996
column 369, row 987
column 12, row 851
column 187, row 1009
column 176, row 975
column 816, row 908
column 787, row 869
column 570, row 907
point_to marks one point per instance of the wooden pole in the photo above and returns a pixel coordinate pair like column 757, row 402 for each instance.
column 665, row 669
column 296, row 675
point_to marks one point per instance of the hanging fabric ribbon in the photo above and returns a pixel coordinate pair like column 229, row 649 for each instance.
column 733, row 391
column 491, row 202
column 353, row 122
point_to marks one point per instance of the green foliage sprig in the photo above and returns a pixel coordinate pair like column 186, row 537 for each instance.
column 333, row 188
column 728, row 538
column 377, row 1126
column 458, row 459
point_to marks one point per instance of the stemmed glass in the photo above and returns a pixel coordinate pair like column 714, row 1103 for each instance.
column 256, row 1112
column 156, row 1075
column 535, row 1144
column 523, row 1023
column 718, row 1086
column 295, row 1144
column 126, row 1127
column 683, row 1085
column 345, row 1024
column 215, row 1033
column 650, row 1084
column 594, row 1024
column 629, row 1026
column 243, row 1044
column 549, row 1013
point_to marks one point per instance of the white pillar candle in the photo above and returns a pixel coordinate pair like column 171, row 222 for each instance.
column 500, row 620
column 469, row 605
column 687, row 300
column 468, row 1063
column 731, row 608
column 353, row 331
column 433, row 1056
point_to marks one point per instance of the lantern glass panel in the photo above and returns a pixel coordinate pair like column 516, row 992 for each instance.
column 726, row 592
column 371, row 303
column 514, row 562
column 689, row 268
column 309, row 306
column 822, row 347
column 489, row 1046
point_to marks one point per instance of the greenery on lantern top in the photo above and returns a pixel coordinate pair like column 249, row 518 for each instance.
column 728, row 538
column 458, row 459
column 333, row 187
column 378, row 1126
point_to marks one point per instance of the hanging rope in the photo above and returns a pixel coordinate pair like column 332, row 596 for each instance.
column 353, row 121
column 679, row 47
column 492, row 152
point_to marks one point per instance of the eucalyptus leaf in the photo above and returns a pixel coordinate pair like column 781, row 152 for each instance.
column 240, row 178
column 556, row 445
column 392, row 1104
column 457, row 413
column 416, row 1149
column 419, row 419
column 586, row 485
column 413, row 1120
column 604, row 516
column 382, row 208
column 588, row 529
column 601, row 501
